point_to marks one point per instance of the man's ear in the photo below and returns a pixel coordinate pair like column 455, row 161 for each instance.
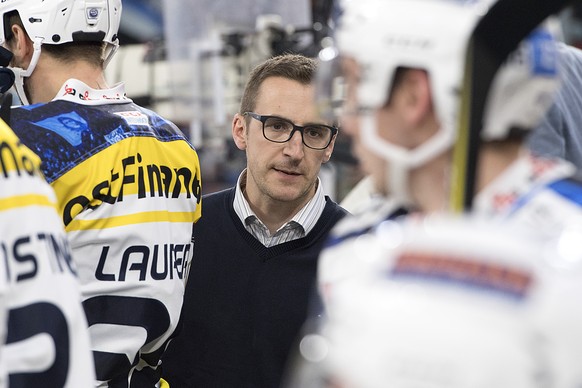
column 239, row 131
column 21, row 46
column 417, row 99
column 329, row 150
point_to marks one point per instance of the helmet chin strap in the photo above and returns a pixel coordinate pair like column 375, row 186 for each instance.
column 19, row 84
column 109, row 53
column 402, row 160
column 20, row 74
column 397, row 182
column 397, row 171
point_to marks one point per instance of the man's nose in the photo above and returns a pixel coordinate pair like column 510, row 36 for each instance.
column 294, row 147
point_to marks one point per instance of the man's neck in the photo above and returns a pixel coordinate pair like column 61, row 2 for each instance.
column 431, row 182
column 494, row 159
column 273, row 213
column 50, row 75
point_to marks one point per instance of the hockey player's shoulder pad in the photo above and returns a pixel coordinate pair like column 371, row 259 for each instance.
column 351, row 226
column 569, row 188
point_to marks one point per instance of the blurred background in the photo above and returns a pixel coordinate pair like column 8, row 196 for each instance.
column 188, row 60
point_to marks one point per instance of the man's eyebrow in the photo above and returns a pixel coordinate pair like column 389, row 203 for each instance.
column 307, row 124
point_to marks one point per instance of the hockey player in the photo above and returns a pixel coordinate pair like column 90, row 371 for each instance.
column 486, row 299
column 127, row 181
column 45, row 342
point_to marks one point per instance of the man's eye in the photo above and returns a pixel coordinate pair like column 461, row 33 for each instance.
column 314, row 132
column 277, row 125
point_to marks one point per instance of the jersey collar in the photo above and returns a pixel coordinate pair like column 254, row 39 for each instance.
column 78, row 92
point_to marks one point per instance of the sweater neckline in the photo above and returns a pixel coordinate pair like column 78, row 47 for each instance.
column 283, row 248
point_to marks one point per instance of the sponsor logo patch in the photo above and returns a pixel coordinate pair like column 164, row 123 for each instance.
column 134, row 118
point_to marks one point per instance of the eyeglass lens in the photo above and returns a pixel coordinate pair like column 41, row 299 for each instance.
column 279, row 130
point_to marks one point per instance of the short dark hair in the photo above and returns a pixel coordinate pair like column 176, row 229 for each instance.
column 295, row 67
column 91, row 52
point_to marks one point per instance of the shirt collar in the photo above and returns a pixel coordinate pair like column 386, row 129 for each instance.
column 307, row 217
column 241, row 205
column 77, row 91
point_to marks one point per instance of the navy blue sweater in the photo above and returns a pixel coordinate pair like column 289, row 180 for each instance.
column 245, row 303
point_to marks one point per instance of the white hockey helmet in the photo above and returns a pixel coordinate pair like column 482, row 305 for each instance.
column 62, row 21
column 434, row 35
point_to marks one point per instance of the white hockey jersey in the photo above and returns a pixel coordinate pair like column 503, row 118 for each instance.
column 490, row 300
column 45, row 342
column 128, row 188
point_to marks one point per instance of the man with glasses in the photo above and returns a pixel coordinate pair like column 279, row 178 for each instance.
column 256, row 248
column 280, row 130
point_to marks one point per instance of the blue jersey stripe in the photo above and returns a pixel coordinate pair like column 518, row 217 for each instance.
column 568, row 188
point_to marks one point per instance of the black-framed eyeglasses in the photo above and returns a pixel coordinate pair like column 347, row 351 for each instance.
column 280, row 130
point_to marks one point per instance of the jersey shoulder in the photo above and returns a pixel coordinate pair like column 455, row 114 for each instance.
column 369, row 217
column 64, row 134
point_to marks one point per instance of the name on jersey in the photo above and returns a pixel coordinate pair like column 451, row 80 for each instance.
column 12, row 159
column 21, row 260
column 475, row 273
column 157, row 262
column 134, row 118
column 148, row 181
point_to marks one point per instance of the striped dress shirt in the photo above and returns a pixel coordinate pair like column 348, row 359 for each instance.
column 299, row 226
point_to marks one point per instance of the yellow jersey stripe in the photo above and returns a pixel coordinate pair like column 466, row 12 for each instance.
column 20, row 201
column 132, row 219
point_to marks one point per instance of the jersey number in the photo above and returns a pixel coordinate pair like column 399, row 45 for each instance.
column 149, row 314
column 41, row 318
